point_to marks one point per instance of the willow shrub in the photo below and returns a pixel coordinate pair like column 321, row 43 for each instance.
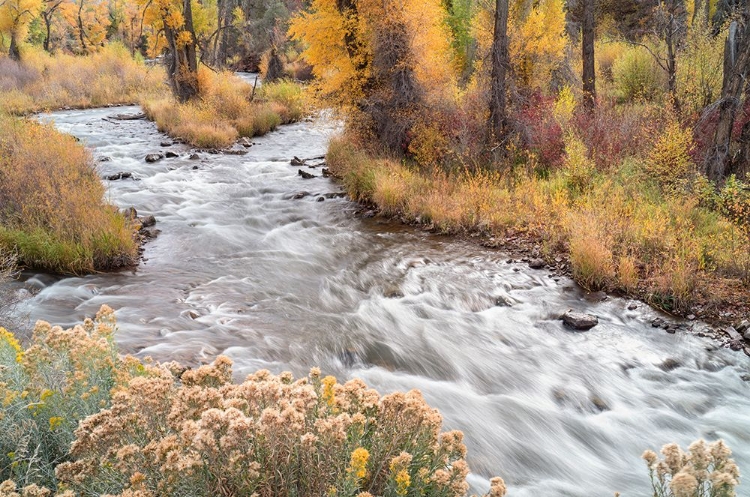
column 106, row 77
column 52, row 209
column 227, row 109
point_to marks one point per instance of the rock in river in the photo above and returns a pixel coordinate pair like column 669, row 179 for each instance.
column 579, row 320
column 154, row 157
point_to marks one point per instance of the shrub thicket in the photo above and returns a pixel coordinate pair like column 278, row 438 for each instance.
column 226, row 110
column 43, row 82
column 52, row 212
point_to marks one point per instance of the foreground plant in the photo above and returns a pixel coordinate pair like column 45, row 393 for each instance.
column 197, row 433
column 81, row 420
column 45, row 390
column 706, row 470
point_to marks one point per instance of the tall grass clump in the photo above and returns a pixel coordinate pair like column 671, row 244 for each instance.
column 226, row 109
column 106, row 77
column 706, row 470
column 52, row 212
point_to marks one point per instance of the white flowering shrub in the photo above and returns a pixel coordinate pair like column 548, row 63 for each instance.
column 706, row 470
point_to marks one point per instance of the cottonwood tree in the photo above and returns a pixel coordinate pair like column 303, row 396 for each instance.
column 498, row 121
column 48, row 14
column 719, row 163
column 174, row 20
column 15, row 16
column 381, row 61
column 589, row 68
column 87, row 21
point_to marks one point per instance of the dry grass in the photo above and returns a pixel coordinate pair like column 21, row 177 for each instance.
column 53, row 214
column 226, row 110
column 619, row 229
column 109, row 76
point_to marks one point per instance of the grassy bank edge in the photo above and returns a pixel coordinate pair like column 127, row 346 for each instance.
column 459, row 205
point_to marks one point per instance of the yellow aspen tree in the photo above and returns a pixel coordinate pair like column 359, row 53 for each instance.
column 537, row 41
column 15, row 16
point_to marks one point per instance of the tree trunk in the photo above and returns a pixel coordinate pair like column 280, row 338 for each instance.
column 736, row 65
column 47, row 16
column 672, row 60
column 13, row 50
column 182, row 66
column 498, row 122
column 589, row 68
column 81, row 32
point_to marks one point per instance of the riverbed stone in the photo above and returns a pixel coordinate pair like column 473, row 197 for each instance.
column 148, row 221
column 151, row 158
column 579, row 320
column 130, row 213
column 120, row 175
column 743, row 327
column 171, row 155
column 537, row 264
column 306, row 175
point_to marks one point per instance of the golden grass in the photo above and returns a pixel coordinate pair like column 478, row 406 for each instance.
column 227, row 110
column 108, row 77
column 619, row 230
column 53, row 212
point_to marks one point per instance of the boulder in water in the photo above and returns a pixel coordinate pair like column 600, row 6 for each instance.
column 147, row 221
column 120, row 175
column 151, row 158
column 306, row 175
column 130, row 213
column 579, row 320
column 537, row 264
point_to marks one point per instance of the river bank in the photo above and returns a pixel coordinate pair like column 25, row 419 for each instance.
column 663, row 245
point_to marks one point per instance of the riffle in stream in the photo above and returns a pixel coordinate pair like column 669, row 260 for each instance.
column 241, row 268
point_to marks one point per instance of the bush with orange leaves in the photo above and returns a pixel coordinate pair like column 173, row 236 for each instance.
column 226, row 109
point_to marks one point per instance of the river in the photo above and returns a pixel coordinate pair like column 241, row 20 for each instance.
column 241, row 268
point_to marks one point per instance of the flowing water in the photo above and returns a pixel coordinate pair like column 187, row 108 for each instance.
column 241, row 268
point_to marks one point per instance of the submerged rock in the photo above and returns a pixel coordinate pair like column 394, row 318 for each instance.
column 579, row 320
